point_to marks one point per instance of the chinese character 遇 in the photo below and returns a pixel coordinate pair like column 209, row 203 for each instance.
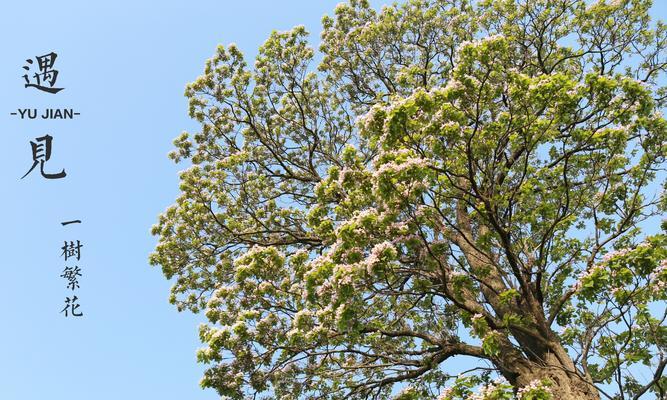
column 46, row 74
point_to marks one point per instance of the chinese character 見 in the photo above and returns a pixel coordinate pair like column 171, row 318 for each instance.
column 41, row 153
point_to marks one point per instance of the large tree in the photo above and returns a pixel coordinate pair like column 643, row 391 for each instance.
column 453, row 183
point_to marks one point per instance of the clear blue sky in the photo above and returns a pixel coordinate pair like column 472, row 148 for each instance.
column 124, row 65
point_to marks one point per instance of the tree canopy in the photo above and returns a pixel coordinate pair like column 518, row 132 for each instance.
column 446, row 182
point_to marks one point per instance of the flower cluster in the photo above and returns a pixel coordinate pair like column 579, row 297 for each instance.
column 536, row 389
column 379, row 252
column 597, row 268
column 613, row 254
column 412, row 162
column 659, row 277
column 446, row 394
column 496, row 390
column 585, row 275
column 492, row 390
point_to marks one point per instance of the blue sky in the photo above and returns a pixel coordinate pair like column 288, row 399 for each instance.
column 124, row 65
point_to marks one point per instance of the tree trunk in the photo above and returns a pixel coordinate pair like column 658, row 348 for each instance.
column 565, row 384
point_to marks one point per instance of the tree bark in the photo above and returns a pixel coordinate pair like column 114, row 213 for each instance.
column 565, row 383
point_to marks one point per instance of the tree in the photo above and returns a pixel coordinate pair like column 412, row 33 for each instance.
column 453, row 180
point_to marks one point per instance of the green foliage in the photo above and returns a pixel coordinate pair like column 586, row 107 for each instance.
column 454, row 178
